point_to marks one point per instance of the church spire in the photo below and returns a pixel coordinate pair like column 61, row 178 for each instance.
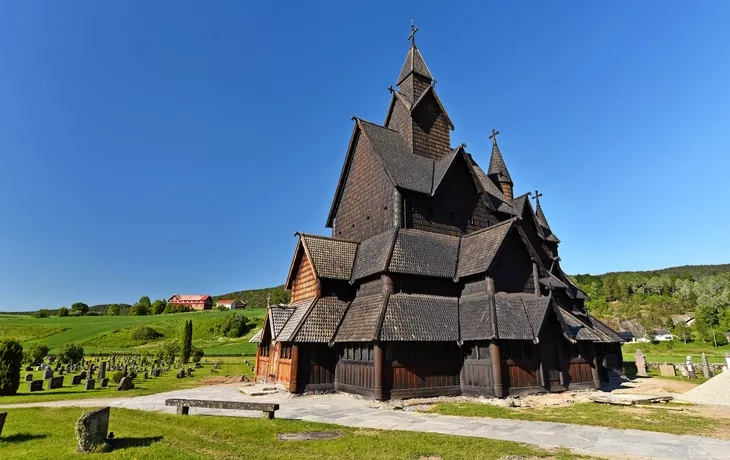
column 498, row 169
column 414, row 63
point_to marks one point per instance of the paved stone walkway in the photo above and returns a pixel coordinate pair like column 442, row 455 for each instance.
column 351, row 411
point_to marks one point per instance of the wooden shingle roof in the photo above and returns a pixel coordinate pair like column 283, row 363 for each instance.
column 420, row 318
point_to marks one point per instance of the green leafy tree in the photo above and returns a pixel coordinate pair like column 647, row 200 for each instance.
column 80, row 308
column 197, row 354
column 11, row 358
column 36, row 353
column 169, row 350
column 144, row 300
column 71, row 354
column 113, row 310
column 62, row 312
column 187, row 343
column 42, row 313
column 235, row 325
column 158, row 307
column 139, row 310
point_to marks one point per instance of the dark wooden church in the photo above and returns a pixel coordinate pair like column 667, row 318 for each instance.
column 436, row 279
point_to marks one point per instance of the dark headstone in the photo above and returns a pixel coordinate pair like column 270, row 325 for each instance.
column 3, row 416
column 146, row 375
column 103, row 382
column 76, row 379
column 91, row 431
column 102, row 370
column 125, row 384
column 90, row 384
column 47, row 374
column 35, row 385
column 189, row 371
column 180, row 374
column 28, row 377
column 55, row 382
column 198, row 366
column 60, row 371
column 29, row 369
column 83, row 375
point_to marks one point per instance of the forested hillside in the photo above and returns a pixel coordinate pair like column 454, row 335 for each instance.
column 256, row 298
column 651, row 297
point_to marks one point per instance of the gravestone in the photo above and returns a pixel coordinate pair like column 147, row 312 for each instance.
column 91, row 431
column 156, row 372
column 35, row 385
column 690, row 368
column 102, row 370
column 125, row 384
column 60, row 371
column 667, row 370
column 90, row 384
column 181, row 374
column 47, row 374
column 55, row 382
column 198, row 366
column 189, row 371
column 103, row 382
column 83, row 375
column 145, row 375
column 29, row 369
column 640, row 363
column 38, row 368
column 28, row 377
column 705, row 367
column 3, row 416
column 76, row 379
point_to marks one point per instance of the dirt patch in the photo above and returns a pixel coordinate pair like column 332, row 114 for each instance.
column 656, row 386
column 221, row 380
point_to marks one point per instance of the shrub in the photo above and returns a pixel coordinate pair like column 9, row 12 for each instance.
column 42, row 313
column 71, row 354
column 11, row 357
column 113, row 310
column 80, row 308
column 197, row 354
column 36, row 353
column 144, row 334
column 62, row 312
column 169, row 350
column 172, row 308
column 117, row 376
column 235, row 325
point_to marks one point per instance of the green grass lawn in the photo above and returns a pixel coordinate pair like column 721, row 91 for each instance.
column 622, row 417
column 166, row 382
column 48, row 433
column 676, row 352
column 111, row 334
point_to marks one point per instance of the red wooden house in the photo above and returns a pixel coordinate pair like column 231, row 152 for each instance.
column 192, row 302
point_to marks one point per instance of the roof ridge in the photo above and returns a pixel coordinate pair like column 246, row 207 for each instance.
column 487, row 229
column 374, row 124
column 323, row 237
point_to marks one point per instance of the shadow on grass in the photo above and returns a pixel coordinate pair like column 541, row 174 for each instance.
column 126, row 443
column 22, row 437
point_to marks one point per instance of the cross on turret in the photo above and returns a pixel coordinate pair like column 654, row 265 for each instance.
column 537, row 195
column 493, row 136
column 412, row 36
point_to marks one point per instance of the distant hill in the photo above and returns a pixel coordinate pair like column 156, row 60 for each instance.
column 256, row 298
column 696, row 271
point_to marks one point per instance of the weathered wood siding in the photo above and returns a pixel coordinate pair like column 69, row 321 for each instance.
column 304, row 285
column 512, row 271
column 431, row 133
column 476, row 374
column 316, row 370
column 366, row 205
column 422, row 369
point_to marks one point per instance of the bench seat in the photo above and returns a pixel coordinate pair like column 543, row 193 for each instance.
column 184, row 405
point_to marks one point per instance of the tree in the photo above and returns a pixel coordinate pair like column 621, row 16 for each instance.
column 36, row 353
column 80, row 308
column 169, row 350
column 71, row 354
column 187, row 344
column 11, row 357
column 139, row 309
column 235, row 325
column 197, row 354
column 113, row 310
column 42, row 313
column 62, row 312
column 158, row 307
column 683, row 332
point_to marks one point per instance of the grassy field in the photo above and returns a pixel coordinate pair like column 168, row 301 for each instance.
column 676, row 352
column 112, row 334
column 45, row 433
column 656, row 419
column 166, row 382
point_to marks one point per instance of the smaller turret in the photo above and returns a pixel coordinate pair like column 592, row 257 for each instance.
column 498, row 170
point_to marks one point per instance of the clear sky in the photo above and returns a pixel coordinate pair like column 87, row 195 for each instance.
column 176, row 146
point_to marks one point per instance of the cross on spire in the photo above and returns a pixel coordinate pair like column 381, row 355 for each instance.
column 537, row 196
column 493, row 136
column 412, row 36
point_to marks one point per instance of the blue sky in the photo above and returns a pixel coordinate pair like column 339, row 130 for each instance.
column 176, row 146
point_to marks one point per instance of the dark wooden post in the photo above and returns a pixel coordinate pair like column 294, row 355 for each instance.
column 594, row 369
column 379, row 358
column 496, row 369
column 536, row 277
column 294, row 369
column 397, row 209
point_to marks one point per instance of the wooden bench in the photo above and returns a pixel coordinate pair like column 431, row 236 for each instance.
column 184, row 405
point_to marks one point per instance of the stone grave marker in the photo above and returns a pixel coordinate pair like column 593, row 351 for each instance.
column 189, row 371
column 705, row 367
column 35, row 385
column 181, row 374
column 61, row 371
column 198, row 366
column 690, row 368
column 47, row 374
column 667, row 370
column 90, row 384
column 91, row 431
column 125, row 384
column 38, row 368
column 146, row 375
column 103, row 382
column 640, row 363
column 76, row 379
column 55, row 382
column 102, row 370
column 83, row 375
column 3, row 416
column 28, row 368
column 28, row 377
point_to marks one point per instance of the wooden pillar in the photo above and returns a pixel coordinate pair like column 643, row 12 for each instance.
column 294, row 369
column 397, row 209
column 379, row 358
column 496, row 369
column 594, row 369
column 536, row 278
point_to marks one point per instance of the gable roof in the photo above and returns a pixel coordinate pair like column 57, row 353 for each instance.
column 542, row 221
column 578, row 330
column 361, row 319
column 300, row 309
column 432, row 91
column 418, row 252
column 257, row 336
column 478, row 249
column 321, row 321
column 494, row 198
column 189, row 297
column 420, row 317
column 331, row 258
column 373, row 254
column 278, row 315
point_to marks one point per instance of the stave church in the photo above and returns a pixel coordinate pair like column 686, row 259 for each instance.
column 436, row 279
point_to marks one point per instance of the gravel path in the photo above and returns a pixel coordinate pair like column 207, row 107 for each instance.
column 715, row 391
column 348, row 410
